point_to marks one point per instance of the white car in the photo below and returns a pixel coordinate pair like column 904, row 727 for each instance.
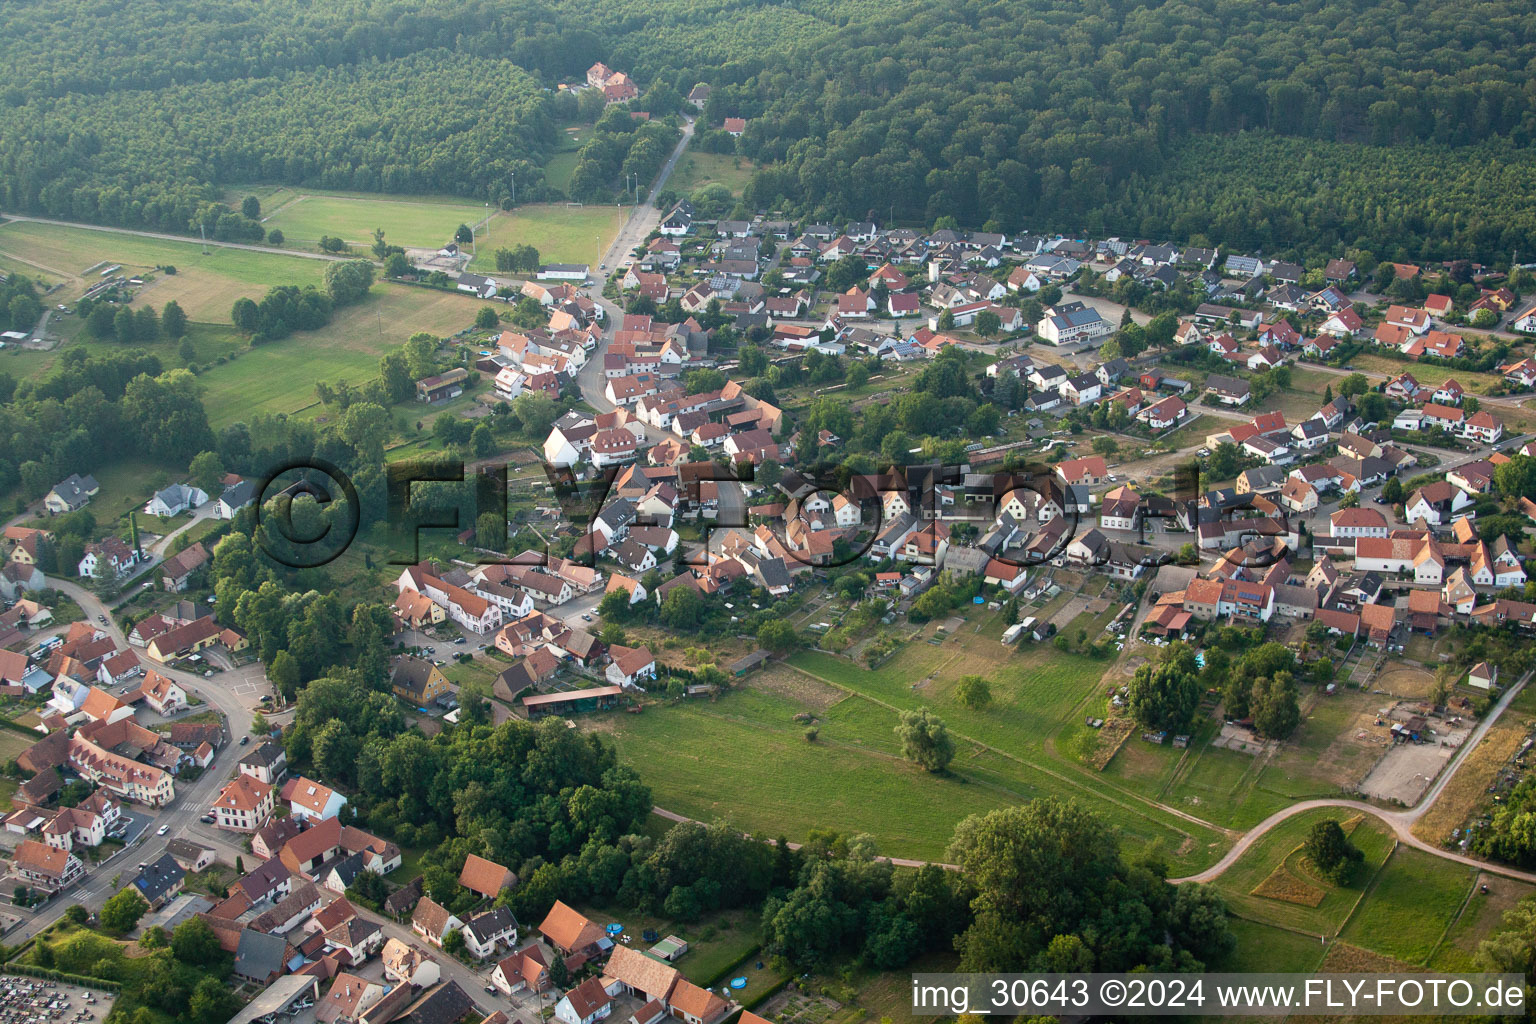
column 162, row 830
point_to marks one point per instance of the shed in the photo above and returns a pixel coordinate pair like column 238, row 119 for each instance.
column 742, row 666
column 669, row 948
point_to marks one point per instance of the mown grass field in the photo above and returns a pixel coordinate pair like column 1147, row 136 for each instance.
column 1263, row 947
column 72, row 250
column 280, row 376
column 1481, row 916
column 1236, row 884
column 209, row 341
column 747, row 759
column 1410, row 905
column 695, row 169
column 423, row 221
column 562, row 234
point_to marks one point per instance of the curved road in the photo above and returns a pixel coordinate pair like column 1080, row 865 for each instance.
column 1401, row 822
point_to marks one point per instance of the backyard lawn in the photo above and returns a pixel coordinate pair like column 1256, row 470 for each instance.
column 716, row 942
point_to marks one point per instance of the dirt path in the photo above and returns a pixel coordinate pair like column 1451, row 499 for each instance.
column 1401, row 822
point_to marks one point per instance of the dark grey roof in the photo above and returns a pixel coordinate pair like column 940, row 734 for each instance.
column 1227, row 385
column 400, row 902
column 265, row 756
column 347, row 869
column 239, row 495
column 259, row 955
column 485, row 926
column 442, row 1005
column 73, row 488
column 773, row 573
column 159, row 878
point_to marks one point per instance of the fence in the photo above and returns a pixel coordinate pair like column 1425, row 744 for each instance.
column 49, row 974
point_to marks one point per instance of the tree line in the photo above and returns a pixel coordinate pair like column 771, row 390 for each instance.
column 1046, row 114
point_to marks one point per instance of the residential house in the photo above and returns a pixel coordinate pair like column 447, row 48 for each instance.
column 71, row 493
column 432, row 921
column 244, row 804
column 309, row 799
column 174, row 500
column 176, row 572
column 418, row 682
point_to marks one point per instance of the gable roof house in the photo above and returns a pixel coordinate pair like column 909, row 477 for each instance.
column 486, row 877
column 175, row 500
column 176, row 571
column 432, row 921
column 71, row 493
column 571, row 933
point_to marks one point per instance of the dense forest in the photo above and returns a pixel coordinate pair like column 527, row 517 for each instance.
column 1038, row 114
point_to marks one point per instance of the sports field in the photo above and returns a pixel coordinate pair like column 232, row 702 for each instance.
column 422, row 221
column 562, row 234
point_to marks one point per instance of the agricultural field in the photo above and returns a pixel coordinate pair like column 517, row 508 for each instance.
column 280, row 376
column 562, row 234
column 414, row 221
column 1296, row 898
column 216, row 279
column 1410, row 905
column 695, row 170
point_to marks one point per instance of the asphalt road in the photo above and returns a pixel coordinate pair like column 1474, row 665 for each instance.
column 642, row 221
column 192, row 799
